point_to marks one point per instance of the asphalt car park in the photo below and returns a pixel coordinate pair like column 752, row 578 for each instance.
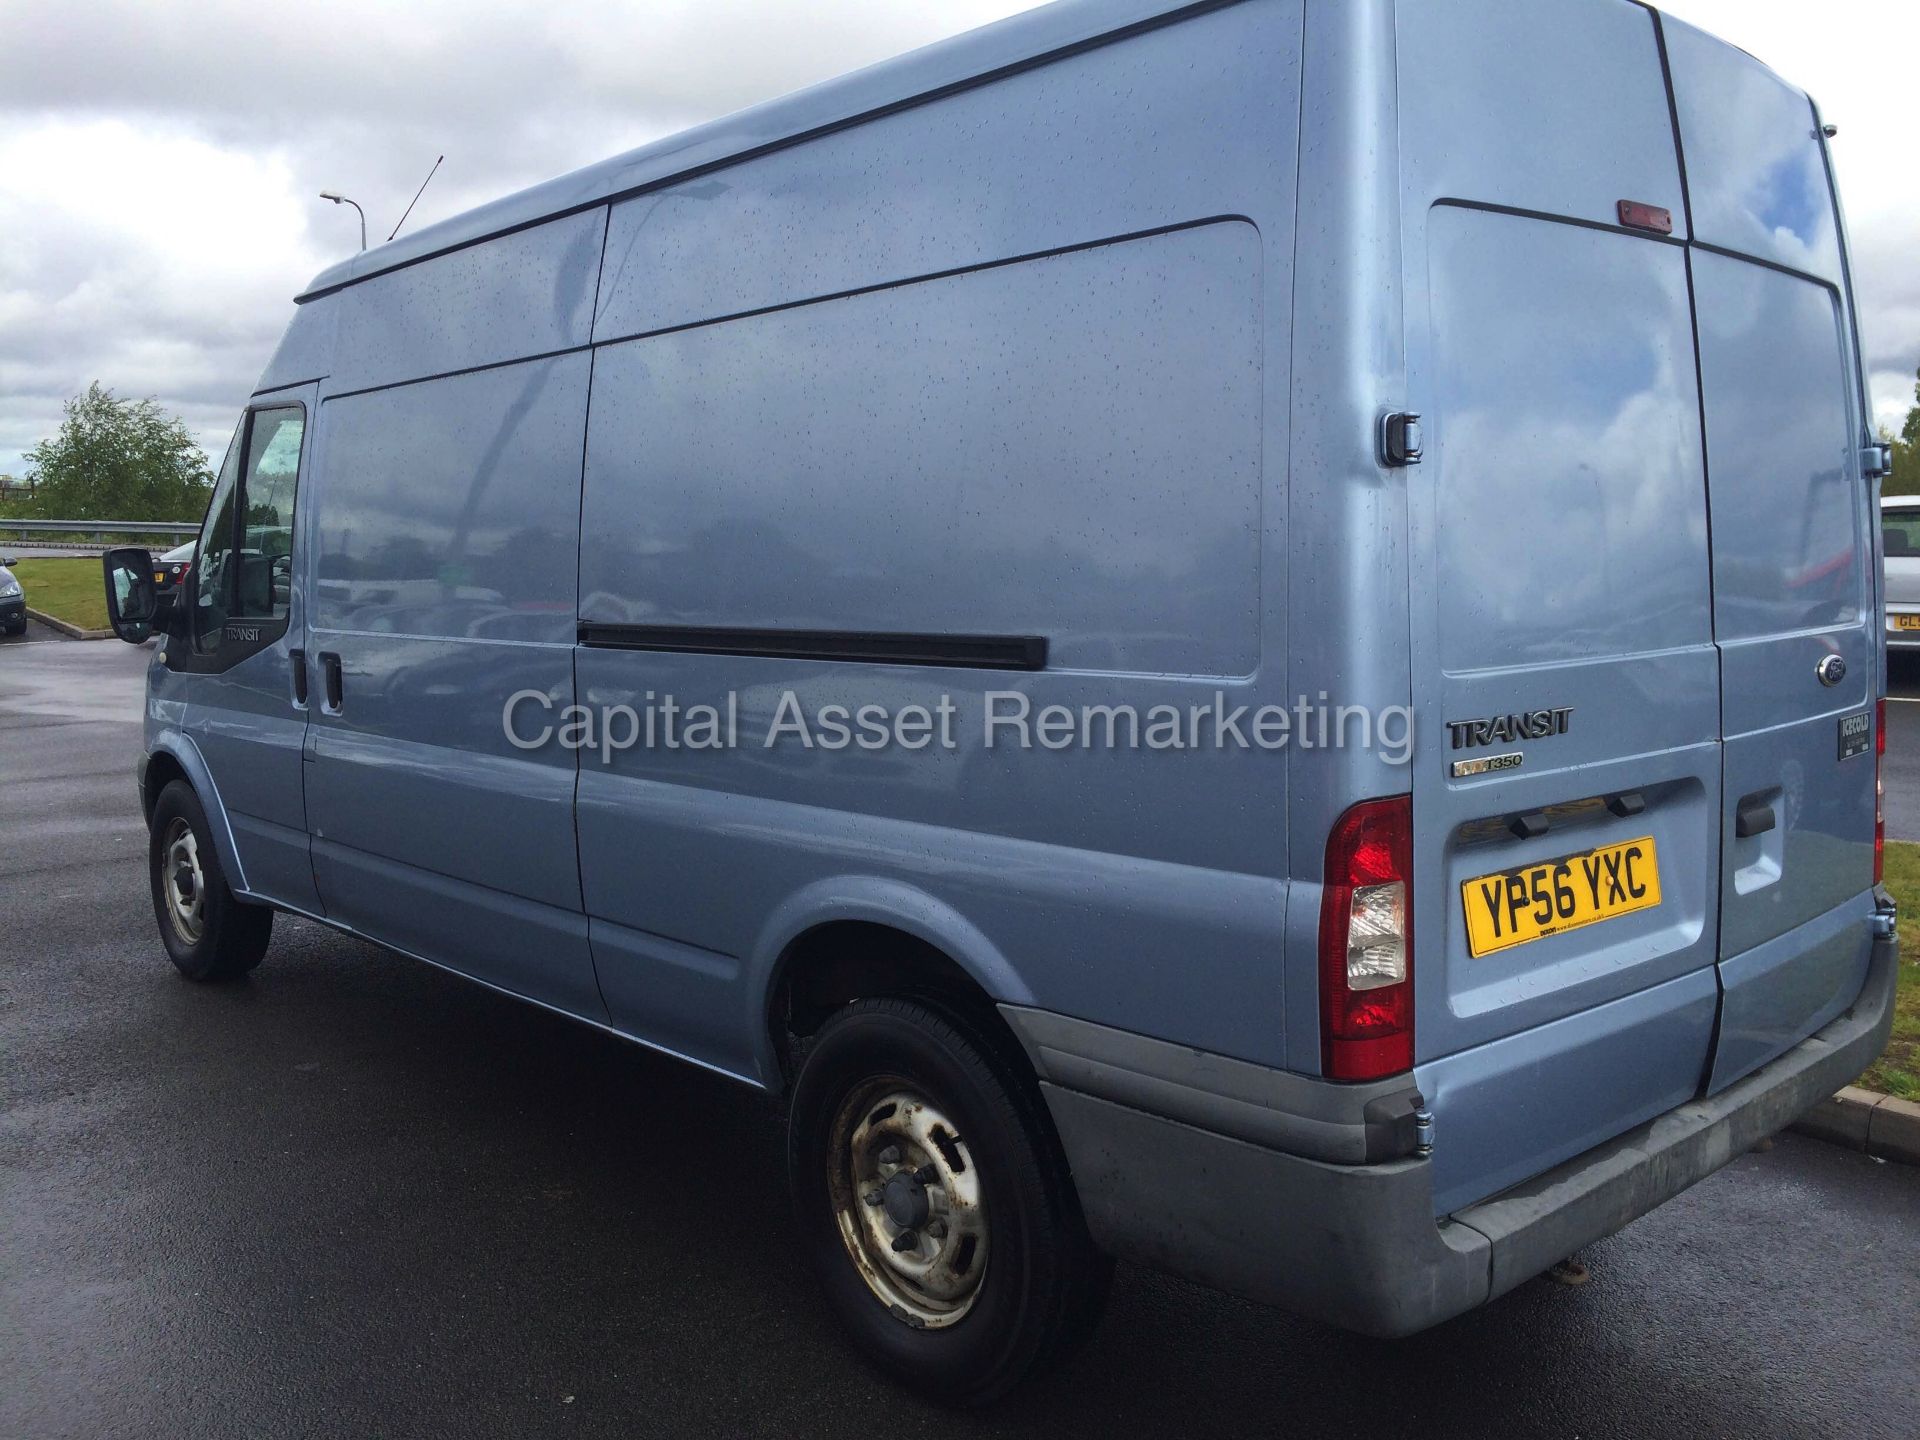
column 35, row 631
column 354, row 1195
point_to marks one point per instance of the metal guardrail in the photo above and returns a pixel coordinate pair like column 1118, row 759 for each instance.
column 184, row 529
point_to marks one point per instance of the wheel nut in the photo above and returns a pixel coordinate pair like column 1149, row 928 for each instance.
column 906, row 1240
column 873, row 1197
column 936, row 1229
column 890, row 1155
column 927, row 1175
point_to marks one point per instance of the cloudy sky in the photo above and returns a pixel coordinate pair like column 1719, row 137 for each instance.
column 159, row 161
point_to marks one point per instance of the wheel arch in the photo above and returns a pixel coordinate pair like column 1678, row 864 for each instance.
column 852, row 937
column 175, row 757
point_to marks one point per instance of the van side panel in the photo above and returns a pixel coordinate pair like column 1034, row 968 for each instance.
column 1087, row 446
column 444, row 579
column 1170, row 127
column 1086, row 466
column 529, row 293
column 305, row 351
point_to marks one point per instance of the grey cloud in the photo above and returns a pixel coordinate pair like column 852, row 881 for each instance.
column 1888, row 282
column 434, row 59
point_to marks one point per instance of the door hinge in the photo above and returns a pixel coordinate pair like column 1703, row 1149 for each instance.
column 1423, row 1132
column 1400, row 439
column 1876, row 461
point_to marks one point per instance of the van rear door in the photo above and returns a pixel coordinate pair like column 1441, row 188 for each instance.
column 1794, row 611
column 1567, row 782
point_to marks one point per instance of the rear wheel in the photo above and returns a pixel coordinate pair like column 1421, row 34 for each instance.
column 935, row 1203
column 209, row 934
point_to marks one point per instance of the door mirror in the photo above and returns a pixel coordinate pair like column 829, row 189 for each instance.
column 132, row 603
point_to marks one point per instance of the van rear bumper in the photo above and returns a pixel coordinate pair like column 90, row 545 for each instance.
column 1357, row 1245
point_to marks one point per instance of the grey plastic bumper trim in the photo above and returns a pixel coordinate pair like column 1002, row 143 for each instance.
column 1357, row 1245
column 1302, row 1115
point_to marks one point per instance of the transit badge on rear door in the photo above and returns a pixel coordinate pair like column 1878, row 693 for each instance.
column 1521, row 725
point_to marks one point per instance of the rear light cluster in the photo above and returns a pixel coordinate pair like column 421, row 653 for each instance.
column 1366, row 943
column 1879, row 789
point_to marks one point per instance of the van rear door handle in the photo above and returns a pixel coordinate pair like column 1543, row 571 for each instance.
column 330, row 670
column 1753, row 816
column 298, row 659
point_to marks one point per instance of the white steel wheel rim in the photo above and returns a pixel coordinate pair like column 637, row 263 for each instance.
column 907, row 1201
column 184, row 882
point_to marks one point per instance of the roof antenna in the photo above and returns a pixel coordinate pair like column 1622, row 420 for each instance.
column 416, row 197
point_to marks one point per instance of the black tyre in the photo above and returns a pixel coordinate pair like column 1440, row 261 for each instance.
column 935, row 1203
column 209, row 934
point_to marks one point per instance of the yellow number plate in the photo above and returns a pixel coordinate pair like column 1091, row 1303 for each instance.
column 1906, row 622
column 1535, row 901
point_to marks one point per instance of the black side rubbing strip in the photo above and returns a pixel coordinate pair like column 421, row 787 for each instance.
column 969, row 652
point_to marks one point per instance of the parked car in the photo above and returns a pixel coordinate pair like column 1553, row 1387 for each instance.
column 171, row 568
column 13, row 601
column 1126, row 356
column 1900, row 539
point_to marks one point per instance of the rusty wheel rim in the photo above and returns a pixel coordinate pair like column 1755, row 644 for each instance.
column 908, row 1202
column 184, row 882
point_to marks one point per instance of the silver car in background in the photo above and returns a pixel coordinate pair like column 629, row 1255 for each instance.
column 1900, row 529
column 13, row 600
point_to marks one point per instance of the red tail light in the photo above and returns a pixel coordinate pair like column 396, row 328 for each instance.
column 1366, row 943
column 1879, row 790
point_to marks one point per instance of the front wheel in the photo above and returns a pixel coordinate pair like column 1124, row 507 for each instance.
column 934, row 1201
column 208, row 932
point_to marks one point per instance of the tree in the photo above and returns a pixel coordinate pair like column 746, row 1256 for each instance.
column 117, row 459
column 1905, row 479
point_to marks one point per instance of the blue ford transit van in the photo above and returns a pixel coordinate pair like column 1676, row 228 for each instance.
column 1240, row 635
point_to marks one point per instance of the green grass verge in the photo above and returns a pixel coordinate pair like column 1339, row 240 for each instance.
column 1898, row 1071
column 73, row 590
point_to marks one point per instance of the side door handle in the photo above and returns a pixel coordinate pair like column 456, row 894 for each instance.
column 1753, row 816
column 330, row 672
column 298, row 659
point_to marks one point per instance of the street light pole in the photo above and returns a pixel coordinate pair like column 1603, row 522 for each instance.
column 340, row 199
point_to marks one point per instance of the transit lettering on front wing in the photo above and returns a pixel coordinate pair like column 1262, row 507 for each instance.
column 1531, row 902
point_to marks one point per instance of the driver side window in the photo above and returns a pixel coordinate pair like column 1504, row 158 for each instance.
column 211, row 557
column 243, row 574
